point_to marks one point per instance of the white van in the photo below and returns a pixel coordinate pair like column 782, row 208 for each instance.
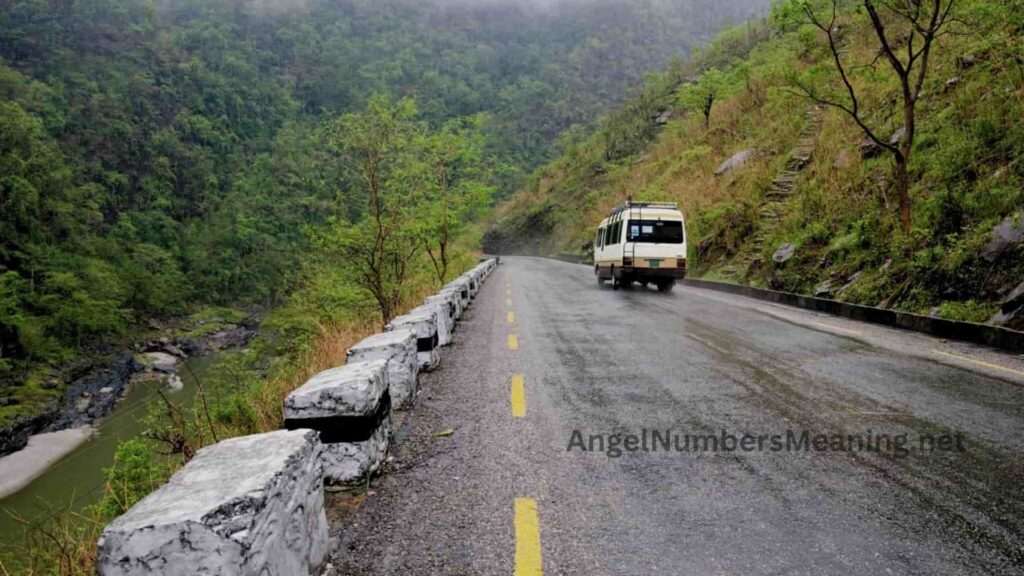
column 641, row 242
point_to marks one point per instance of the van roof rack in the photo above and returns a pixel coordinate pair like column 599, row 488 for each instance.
column 632, row 204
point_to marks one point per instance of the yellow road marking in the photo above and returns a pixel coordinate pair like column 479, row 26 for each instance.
column 980, row 363
column 508, row 301
column 513, row 342
column 511, row 317
column 822, row 324
column 518, row 396
column 528, row 561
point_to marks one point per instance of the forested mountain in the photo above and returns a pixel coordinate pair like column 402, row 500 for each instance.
column 157, row 154
column 784, row 188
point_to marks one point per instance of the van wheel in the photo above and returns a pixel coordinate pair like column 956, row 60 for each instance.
column 666, row 286
column 616, row 282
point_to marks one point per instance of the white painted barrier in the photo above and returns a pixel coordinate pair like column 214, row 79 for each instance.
column 250, row 506
column 398, row 348
column 424, row 325
column 350, row 407
column 442, row 319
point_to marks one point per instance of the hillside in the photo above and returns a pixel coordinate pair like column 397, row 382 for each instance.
column 158, row 156
column 806, row 204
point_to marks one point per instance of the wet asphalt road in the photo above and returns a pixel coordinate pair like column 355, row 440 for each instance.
column 693, row 362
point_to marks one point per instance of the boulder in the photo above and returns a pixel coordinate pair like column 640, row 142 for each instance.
column 424, row 325
column 663, row 118
column 897, row 136
column 735, row 161
column 823, row 290
column 251, row 505
column 784, row 253
column 1011, row 311
column 350, row 408
column 1007, row 234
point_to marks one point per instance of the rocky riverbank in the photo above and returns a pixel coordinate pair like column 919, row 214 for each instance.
column 94, row 389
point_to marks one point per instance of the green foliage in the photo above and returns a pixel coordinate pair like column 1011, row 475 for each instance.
column 137, row 470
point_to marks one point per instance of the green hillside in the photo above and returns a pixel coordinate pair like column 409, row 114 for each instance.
column 156, row 156
column 812, row 192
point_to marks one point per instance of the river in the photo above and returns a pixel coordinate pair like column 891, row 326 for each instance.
column 77, row 480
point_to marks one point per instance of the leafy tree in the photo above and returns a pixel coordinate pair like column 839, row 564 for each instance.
column 374, row 148
column 906, row 35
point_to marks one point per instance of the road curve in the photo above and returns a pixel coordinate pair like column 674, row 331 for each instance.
column 694, row 363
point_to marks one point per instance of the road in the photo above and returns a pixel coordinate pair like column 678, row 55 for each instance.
column 504, row 493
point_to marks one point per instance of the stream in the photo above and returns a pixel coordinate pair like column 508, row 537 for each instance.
column 77, row 480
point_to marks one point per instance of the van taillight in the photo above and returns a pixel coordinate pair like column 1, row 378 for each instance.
column 681, row 263
column 627, row 261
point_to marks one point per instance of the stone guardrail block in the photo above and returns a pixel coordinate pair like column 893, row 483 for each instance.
column 424, row 325
column 442, row 318
column 398, row 348
column 451, row 299
column 474, row 286
column 461, row 287
column 350, row 407
column 251, row 505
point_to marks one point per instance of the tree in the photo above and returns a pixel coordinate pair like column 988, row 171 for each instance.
column 374, row 147
column 459, row 186
column 701, row 95
column 919, row 24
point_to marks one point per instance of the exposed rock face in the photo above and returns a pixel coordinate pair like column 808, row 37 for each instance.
column 398, row 349
column 249, row 506
column 350, row 408
column 735, row 161
column 1011, row 311
column 784, row 253
column 115, row 377
column 424, row 325
column 823, row 290
column 441, row 318
column 1007, row 234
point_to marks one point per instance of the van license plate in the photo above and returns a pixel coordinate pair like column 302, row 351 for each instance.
column 654, row 263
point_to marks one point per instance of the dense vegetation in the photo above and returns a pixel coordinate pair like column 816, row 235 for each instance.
column 158, row 155
column 842, row 218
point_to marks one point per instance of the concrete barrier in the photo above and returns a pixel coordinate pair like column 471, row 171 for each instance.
column 474, row 286
column 398, row 349
column 442, row 318
column 350, row 408
column 424, row 325
column 979, row 333
column 461, row 285
column 251, row 505
column 451, row 300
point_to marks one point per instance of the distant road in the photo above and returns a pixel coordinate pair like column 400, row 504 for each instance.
column 544, row 351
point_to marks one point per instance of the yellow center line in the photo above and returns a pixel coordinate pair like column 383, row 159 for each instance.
column 528, row 561
column 508, row 301
column 518, row 396
column 513, row 342
column 822, row 324
column 980, row 362
column 511, row 317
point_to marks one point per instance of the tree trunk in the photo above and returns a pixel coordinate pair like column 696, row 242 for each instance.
column 903, row 189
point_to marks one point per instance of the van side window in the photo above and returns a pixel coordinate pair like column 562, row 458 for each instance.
column 617, row 232
column 599, row 237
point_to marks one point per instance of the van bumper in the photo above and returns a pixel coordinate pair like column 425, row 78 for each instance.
column 650, row 273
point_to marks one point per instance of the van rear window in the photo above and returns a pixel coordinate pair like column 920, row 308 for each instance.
column 655, row 231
